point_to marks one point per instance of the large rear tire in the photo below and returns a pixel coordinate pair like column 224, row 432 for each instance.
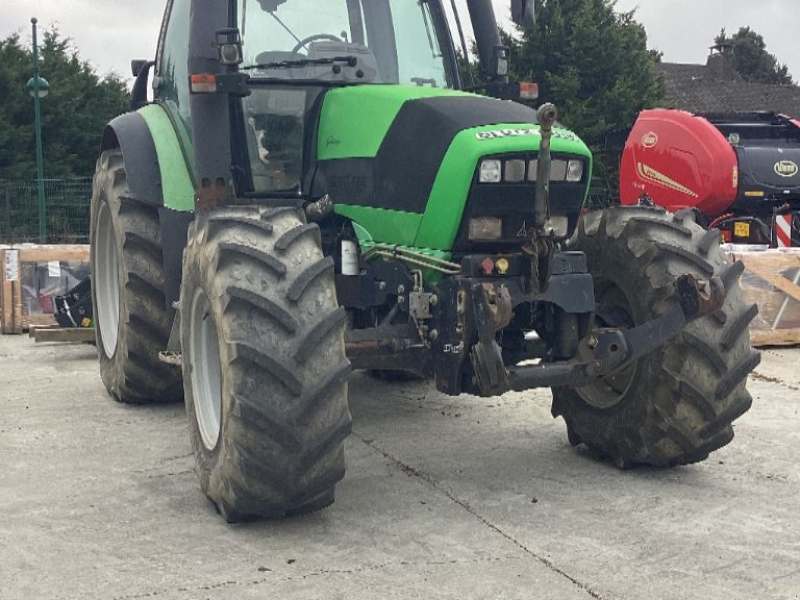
column 675, row 405
column 264, row 362
column 131, row 319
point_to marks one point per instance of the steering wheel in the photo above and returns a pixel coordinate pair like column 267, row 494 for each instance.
column 314, row 38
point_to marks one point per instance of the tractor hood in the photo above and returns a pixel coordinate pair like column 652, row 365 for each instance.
column 412, row 151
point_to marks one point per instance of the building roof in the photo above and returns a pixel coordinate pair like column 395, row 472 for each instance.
column 716, row 87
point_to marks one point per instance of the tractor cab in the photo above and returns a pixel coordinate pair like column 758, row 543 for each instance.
column 296, row 50
column 378, row 41
column 281, row 58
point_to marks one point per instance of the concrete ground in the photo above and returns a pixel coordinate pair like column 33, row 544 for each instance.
column 444, row 498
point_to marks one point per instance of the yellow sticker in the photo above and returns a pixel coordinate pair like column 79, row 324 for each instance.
column 741, row 229
column 86, row 322
column 502, row 266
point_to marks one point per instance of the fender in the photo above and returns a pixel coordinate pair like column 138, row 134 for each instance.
column 154, row 159
column 157, row 174
column 130, row 133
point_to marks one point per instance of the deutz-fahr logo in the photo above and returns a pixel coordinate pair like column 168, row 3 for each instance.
column 521, row 132
column 786, row 168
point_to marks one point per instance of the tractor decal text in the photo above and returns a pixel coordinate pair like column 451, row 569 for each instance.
column 527, row 131
column 650, row 175
column 502, row 133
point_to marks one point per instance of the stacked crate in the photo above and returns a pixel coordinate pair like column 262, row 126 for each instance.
column 30, row 278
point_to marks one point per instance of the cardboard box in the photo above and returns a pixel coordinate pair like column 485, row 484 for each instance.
column 31, row 277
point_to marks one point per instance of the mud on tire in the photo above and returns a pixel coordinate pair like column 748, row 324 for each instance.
column 128, row 283
column 268, row 427
column 676, row 404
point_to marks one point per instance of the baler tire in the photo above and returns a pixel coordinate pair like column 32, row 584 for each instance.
column 128, row 289
column 675, row 405
column 268, row 435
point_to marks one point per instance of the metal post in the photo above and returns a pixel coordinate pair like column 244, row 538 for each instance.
column 38, row 126
column 7, row 238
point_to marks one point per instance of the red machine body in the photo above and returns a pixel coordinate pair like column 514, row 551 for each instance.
column 741, row 171
column 680, row 161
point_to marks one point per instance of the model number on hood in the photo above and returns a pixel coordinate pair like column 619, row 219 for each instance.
column 529, row 131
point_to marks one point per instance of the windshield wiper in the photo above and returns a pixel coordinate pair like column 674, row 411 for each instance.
column 350, row 61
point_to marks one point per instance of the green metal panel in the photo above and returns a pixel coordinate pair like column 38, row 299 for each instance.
column 390, row 226
column 176, row 179
column 366, row 242
column 355, row 120
column 448, row 197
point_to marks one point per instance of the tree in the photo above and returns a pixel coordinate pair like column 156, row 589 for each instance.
column 750, row 57
column 592, row 62
column 80, row 103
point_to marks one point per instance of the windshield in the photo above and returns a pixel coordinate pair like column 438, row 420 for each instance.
column 393, row 41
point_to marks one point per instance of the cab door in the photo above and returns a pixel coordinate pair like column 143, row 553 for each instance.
column 171, row 82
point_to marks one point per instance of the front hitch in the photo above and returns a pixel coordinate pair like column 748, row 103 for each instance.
column 493, row 312
column 602, row 353
column 546, row 116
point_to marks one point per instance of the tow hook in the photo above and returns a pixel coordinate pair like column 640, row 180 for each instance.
column 615, row 349
column 493, row 312
column 604, row 351
column 700, row 297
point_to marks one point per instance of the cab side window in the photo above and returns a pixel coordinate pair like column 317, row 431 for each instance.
column 172, row 67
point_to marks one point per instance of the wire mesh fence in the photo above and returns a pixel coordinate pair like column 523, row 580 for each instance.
column 66, row 211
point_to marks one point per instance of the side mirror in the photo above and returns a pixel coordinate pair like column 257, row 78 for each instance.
column 523, row 13
column 139, row 90
column 499, row 66
column 137, row 66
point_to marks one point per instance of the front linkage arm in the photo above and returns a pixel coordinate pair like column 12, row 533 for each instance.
column 602, row 353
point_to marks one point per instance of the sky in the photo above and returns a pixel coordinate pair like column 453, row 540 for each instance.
column 109, row 33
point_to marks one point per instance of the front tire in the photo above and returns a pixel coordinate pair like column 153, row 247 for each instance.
column 264, row 362
column 132, row 322
column 676, row 404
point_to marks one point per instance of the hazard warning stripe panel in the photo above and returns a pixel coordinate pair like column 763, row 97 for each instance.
column 783, row 231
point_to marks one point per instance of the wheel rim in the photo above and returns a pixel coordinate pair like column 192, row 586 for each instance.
column 206, row 371
column 614, row 310
column 107, row 281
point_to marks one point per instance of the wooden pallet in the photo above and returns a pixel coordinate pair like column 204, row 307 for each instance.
column 32, row 329
column 771, row 280
column 72, row 335
column 14, row 318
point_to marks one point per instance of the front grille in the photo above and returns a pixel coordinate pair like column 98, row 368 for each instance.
column 514, row 204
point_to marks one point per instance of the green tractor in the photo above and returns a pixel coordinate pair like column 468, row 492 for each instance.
column 313, row 189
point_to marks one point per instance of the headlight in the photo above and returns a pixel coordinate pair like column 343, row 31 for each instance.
column 491, row 171
column 485, row 228
column 575, row 170
column 558, row 170
column 515, row 171
column 533, row 169
column 559, row 225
